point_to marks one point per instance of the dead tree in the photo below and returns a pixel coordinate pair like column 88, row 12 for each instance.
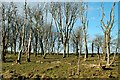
column 107, row 30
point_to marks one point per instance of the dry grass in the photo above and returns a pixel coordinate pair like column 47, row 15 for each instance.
column 54, row 66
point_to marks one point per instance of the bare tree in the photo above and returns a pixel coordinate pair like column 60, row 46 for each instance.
column 14, row 24
column 107, row 30
column 64, row 15
column 23, row 34
column 76, row 38
column 28, row 52
column 98, row 44
column 84, row 21
column 3, row 33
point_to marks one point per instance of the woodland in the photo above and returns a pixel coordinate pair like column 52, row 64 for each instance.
column 40, row 42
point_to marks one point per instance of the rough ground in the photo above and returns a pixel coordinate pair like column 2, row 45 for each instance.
column 54, row 66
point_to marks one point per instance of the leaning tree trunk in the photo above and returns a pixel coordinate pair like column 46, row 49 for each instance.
column 45, row 49
column 21, row 47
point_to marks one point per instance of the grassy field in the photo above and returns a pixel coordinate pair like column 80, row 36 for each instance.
column 54, row 66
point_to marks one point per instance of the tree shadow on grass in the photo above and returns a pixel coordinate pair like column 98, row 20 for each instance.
column 105, row 68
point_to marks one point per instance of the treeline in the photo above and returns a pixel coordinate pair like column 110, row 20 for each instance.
column 48, row 28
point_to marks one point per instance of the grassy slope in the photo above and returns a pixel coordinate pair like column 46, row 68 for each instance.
column 55, row 66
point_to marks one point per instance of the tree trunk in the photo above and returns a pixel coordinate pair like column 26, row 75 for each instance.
column 85, row 46
column 21, row 47
column 98, row 52
column 3, row 51
column 78, row 69
column 104, row 47
column 44, row 53
column 19, row 56
column 116, row 49
column 11, row 47
column 29, row 48
column 45, row 49
column 108, row 49
column 64, row 53
column 15, row 46
column 81, row 49
column 77, row 49
column 58, row 44
column 80, row 45
column 92, row 49
column 68, row 48
column 41, row 45
column 35, row 49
